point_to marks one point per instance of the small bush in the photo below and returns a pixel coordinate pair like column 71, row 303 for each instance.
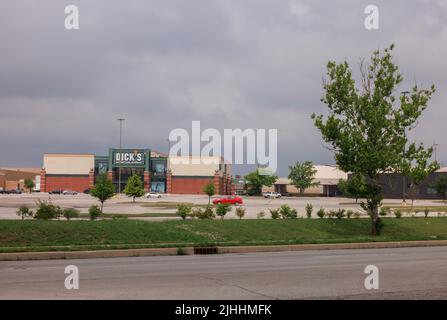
column 349, row 214
column 184, row 210
column 398, row 213
column 71, row 213
column 331, row 214
column 24, row 211
column 261, row 214
column 47, row 211
column 357, row 214
column 240, row 212
column 340, row 213
column 309, row 209
column 426, row 212
column 384, row 211
column 94, row 212
column 287, row 212
column 203, row 214
column 321, row 213
column 274, row 213
column 222, row 209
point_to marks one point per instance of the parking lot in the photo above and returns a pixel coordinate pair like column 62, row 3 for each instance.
column 122, row 204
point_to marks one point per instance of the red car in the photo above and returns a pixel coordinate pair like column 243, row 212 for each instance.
column 231, row 200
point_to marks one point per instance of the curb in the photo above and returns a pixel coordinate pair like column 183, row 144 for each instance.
column 59, row 255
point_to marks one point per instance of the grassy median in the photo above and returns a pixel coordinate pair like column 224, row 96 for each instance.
column 32, row 235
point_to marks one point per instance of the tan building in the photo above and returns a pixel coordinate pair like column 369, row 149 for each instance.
column 159, row 172
column 14, row 178
column 327, row 176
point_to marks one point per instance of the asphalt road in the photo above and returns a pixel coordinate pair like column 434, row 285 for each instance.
column 407, row 273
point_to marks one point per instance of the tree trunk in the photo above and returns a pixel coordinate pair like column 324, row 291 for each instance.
column 374, row 222
column 102, row 205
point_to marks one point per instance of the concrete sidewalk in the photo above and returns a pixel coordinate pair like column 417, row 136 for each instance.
column 52, row 255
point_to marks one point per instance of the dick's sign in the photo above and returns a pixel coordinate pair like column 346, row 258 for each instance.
column 135, row 157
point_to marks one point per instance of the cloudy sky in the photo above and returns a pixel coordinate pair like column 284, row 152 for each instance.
column 228, row 63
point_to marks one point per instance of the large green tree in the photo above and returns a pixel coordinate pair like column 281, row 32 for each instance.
column 104, row 189
column 302, row 175
column 254, row 182
column 367, row 123
column 134, row 187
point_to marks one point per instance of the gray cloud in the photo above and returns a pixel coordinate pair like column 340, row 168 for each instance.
column 162, row 64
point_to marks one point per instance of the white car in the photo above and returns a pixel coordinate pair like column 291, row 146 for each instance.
column 152, row 195
column 272, row 195
column 70, row 192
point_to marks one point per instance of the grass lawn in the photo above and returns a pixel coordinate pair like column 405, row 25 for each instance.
column 32, row 235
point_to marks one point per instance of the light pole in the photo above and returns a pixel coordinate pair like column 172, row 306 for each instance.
column 435, row 147
column 121, row 140
column 403, row 154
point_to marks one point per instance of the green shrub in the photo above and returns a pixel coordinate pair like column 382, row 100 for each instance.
column 426, row 212
column 274, row 213
column 201, row 214
column 240, row 212
column 94, row 212
column 222, row 209
column 349, row 213
column 357, row 214
column 331, row 214
column 261, row 214
column 184, row 210
column 47, row 211
column 340, row 213
column 70, row 213
column 309, row 209
column 398, row 213
column 287, row 212
column 384, row 211
column 321, row 213
column 24, row 211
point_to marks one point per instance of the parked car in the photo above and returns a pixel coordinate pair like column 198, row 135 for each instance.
column 2, row 191
column 87, row 191
column 13, row 191
column 271, row 195
column 69, row 192
column 231, row 200
column 55, row 192
column 152, row 195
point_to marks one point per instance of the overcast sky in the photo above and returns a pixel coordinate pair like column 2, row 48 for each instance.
column 230, row 64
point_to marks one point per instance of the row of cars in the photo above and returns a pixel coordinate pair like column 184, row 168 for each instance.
column 11, row 191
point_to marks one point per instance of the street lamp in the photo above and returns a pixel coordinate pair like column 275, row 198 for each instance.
column 435, row 147
column 121, row 140
column 403, row 175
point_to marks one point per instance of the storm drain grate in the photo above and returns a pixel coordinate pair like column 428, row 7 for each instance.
column 206, row 250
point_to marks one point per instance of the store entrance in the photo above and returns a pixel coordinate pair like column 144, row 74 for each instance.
column 126, row 173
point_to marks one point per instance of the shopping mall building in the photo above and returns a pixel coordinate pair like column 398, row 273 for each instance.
column 159, row 172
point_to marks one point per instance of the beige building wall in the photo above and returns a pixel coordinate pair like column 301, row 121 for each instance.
column 204, row 166
column 68, row 163
column 325, row 175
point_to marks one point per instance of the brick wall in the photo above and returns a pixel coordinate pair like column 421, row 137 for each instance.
column 76, row 183
column 189, row 185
